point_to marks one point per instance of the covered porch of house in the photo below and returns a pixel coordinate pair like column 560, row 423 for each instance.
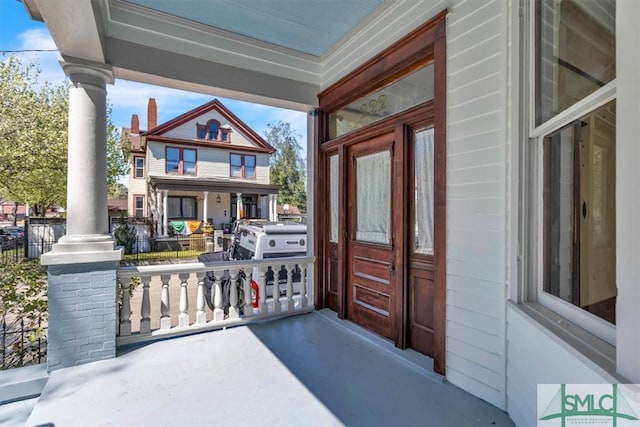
column 209, row 200
column 335, row 373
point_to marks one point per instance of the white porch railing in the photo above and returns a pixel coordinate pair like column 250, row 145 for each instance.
column 161, row 302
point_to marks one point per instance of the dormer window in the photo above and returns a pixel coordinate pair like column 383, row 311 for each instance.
column 212, row 129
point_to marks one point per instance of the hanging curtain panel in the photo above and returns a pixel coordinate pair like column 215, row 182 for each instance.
column 333, row 189
column 424, row 192
column 373, row 197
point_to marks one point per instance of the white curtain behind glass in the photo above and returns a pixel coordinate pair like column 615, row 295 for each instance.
column 373, row 197
column 424, row 191
column 333, row 189
column 173, row 207
column 189, row 208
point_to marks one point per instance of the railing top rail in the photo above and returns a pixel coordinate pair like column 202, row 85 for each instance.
column 195, row 267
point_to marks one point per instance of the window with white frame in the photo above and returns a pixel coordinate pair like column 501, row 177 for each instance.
column 573, row 124
column 138, row 167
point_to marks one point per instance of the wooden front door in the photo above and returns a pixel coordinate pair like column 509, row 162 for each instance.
column 372, row 284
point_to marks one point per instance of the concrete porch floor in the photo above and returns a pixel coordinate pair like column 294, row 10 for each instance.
column 304, row 370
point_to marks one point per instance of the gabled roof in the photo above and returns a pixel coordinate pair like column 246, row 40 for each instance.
column 158, row 131
column 137, row 144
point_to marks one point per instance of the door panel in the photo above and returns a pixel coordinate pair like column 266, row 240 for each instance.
column 371, row 284
column 421, row 243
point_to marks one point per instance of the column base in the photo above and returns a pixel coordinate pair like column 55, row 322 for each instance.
column 82, row 249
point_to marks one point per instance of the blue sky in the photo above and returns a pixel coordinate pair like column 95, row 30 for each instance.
column 18, row 32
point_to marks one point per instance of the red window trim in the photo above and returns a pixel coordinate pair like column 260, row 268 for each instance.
column 135, row 208
column 242, row 169
column 180, row 160
column 135, row 168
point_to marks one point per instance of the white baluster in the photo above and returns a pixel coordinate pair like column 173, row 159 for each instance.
column 289, row 304
column 145, row 310
column 201, row 316
column 165, row 314
column 183, row 318
column 125, row 310
column 248, row 308
column 303, row 287
column 234, row 312
column 262, row 295
column 277, row 305
column 218, row 312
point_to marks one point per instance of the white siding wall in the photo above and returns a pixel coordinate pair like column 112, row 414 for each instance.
column 477, row 197
column 536, row 356
column 188, row 130
column 212, row 162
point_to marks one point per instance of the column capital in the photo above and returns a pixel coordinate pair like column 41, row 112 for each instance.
column 88, row 72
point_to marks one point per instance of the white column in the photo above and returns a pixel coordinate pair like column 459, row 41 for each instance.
column 627, row 194
column 205, row 208
column 239, row 206
column 273, row 207
column 164, row 213
column 158, row 213
column 87, row 220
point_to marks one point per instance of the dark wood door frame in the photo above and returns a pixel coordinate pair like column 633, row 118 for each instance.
column 425, row 45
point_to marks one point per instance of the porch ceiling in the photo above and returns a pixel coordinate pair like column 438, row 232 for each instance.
column 275, row 52
column 211, row 185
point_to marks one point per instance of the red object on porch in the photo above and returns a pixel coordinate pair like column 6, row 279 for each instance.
column 255, row 294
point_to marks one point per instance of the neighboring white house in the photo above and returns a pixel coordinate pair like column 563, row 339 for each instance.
column 473, row 165
column 196, row 167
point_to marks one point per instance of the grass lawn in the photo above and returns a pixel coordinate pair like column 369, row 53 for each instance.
column 158, row 256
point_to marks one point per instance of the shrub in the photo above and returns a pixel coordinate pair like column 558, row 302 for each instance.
column 126, row 236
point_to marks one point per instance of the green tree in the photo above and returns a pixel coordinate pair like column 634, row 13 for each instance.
column 288, row 168
column 33, row 138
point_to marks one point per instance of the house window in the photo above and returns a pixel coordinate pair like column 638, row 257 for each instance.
column 243, row 166
column 181, row 207
column 139, row 206
column 575, row 162
column 212, row 129
column 180, row 161
column 139, row 167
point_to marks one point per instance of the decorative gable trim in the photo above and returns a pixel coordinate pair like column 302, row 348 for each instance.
column 156, row 133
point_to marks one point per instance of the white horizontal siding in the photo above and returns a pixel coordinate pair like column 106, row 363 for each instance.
column 535, row 357
column 476, row 165
column 211, row 162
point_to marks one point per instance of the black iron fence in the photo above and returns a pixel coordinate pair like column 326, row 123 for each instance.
column 165, row 248
column 22, row 342
column 17, row 249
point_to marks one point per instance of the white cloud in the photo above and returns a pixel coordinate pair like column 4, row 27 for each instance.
column 38, row 38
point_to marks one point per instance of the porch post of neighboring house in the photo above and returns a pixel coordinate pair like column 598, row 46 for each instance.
column 239, row 206
column 164, row 212
column 273, row 207
column 158, row 213
column 205, row 208
column 82, row 266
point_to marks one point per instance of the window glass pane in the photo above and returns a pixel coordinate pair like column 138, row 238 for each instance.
column 249, row 166
column 373, row 197
column 139, row 170
column 401, row 95
column 201, row 133
column 236, row 165
column 333, row 197
column 579, row 213
column 189, row 162
column 575, row 52
column 174, row 208
column 423, row 192
column 189, row 207
column 213, row 130
column 173, row 160
column 139, row 206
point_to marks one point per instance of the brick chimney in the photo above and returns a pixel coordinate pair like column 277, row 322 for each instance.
column 135, row 124
column 152, row 114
